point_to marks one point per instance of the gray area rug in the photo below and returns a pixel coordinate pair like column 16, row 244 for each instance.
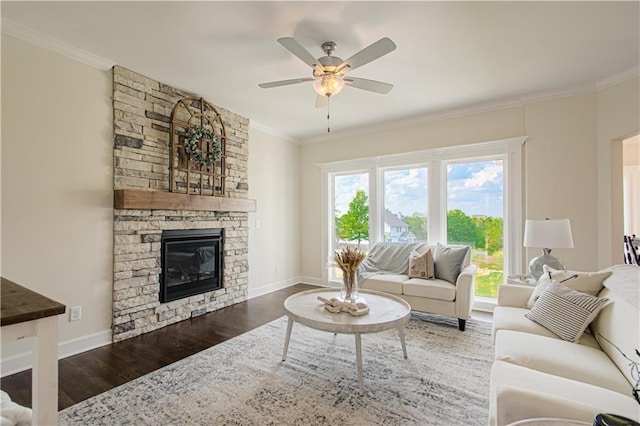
column 242, row 381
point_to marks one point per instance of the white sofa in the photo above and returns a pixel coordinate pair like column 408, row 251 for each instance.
column 536, row 374
column 435, row 296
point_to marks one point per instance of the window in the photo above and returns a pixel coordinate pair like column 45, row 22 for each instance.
column 404, row 218
column 475, row 199
column 350, row 212
column 464, row 194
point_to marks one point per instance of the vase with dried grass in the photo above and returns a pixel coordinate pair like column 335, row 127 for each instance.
column 348, row 260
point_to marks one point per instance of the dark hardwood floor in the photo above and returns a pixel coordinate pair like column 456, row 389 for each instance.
column 90, row 373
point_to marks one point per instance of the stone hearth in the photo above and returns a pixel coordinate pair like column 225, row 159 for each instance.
column 141, row 112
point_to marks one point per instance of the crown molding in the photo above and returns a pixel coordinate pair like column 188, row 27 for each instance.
column 273, row 132
column 479, row 108
column 618, row 78
column 37, row 38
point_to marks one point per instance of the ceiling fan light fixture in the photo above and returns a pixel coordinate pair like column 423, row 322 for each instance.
column 328, row 85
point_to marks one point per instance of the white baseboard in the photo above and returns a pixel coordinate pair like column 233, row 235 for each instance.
column 271, row 287
column 23, row 361
column 312, row 280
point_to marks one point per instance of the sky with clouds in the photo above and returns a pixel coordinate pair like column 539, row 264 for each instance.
column 476, row 188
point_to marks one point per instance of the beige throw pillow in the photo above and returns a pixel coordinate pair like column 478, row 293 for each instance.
column 586, row 282
column 421, row 265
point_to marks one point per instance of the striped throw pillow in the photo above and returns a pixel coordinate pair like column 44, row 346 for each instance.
column 565, row 312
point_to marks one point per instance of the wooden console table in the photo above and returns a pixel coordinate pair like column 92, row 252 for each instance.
column 25, row 313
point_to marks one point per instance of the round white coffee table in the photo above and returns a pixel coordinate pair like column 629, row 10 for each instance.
column 386, row 311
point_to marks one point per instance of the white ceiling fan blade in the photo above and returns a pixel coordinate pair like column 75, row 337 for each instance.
column 296, row 48
column 370, row 85
column 368, row 54
column 321, row 101
column 284, row 82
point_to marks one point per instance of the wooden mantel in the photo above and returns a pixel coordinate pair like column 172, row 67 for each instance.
column 159, row 200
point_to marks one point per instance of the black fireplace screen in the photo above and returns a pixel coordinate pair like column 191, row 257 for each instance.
column 191, row 263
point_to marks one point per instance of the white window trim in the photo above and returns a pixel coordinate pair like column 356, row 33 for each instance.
column 434, row 159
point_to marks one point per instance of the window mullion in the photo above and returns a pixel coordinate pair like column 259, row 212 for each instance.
column 374, row 197
column 434, row 204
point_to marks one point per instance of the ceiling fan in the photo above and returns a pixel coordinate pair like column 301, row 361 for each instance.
column 329, row 72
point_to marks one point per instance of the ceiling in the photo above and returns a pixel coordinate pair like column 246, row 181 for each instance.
column 450, row 55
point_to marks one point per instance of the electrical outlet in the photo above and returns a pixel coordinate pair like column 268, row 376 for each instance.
column 75, row 313
column 277, row 268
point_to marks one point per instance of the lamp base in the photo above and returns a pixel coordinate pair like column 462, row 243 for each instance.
column 536, row 264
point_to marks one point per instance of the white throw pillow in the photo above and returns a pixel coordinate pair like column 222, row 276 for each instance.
column 421, row 265
column 565, row 312
column 586, row 282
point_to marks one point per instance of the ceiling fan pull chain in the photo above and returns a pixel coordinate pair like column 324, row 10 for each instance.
column 328, row 114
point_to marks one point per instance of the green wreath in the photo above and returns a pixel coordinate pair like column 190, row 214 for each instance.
column 192, row 137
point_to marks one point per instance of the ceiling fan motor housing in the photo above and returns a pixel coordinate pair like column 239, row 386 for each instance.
column 330, row 62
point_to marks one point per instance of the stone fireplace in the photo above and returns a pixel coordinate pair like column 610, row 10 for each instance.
column 141, row 112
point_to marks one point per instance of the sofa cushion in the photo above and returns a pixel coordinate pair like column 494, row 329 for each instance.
column 510, row 318
column 560, row 358
column 565, row 312
column 448, row 261
column 421, row 265
column 431, row 289
column 386, row 283
column 586, row 282
column 618, row 323
column 603, row 400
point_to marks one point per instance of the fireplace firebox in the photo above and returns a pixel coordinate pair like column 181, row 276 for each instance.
column 191, row 262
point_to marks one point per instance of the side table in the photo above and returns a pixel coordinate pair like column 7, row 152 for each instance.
column 25, row 313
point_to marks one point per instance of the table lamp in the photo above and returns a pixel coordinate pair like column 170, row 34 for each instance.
column 547, row 234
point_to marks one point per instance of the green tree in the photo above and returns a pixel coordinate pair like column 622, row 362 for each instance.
column 354, row 224
column 480, row 222
column 461, row 229
column 491, row 229
column 417, row 225
column 493, row 234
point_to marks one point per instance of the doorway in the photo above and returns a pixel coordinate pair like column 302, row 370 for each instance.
column 631, row 185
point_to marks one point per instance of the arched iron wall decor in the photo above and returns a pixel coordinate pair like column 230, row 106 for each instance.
column 197, row 163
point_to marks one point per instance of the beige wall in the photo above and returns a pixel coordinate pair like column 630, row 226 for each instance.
column 559, row 179
column 57, row 197
column 482, row 127
column 274, row 245
column 618, row 118
column 57, row 179
column 57, row 166
column 563, row 165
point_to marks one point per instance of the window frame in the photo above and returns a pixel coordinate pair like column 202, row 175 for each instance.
column 482, row 301
column 435, row 160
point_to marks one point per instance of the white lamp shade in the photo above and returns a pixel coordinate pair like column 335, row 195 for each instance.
column 550, row 233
